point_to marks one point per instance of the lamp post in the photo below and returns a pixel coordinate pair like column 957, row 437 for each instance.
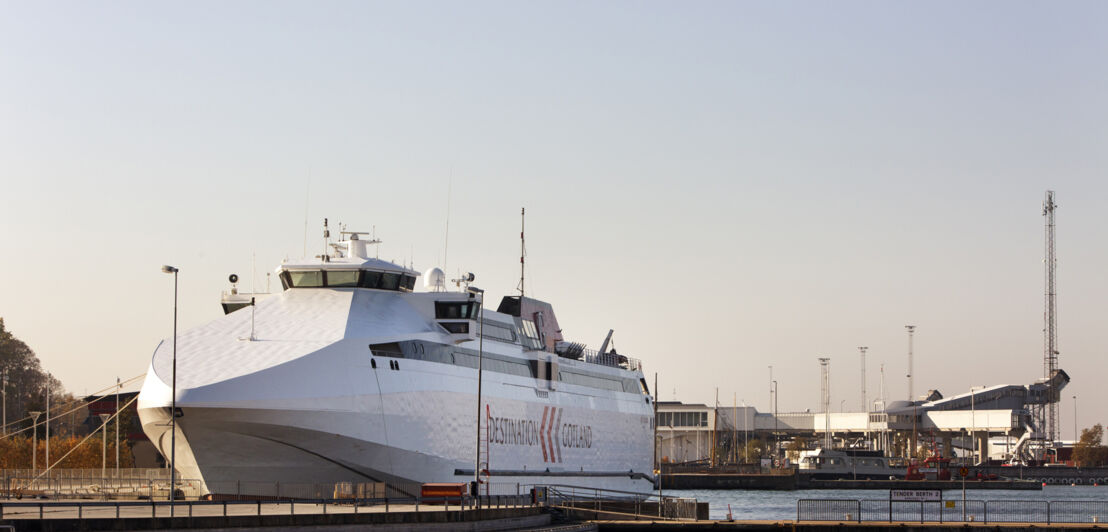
column 473, row 293
column 774, row 419
column 34, row 440
column 104, row 446
column 48, row 421
column 1075, row 435
column 173, row 399
column 117, row 418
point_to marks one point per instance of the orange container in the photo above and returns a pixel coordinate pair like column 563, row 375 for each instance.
column 451, row 492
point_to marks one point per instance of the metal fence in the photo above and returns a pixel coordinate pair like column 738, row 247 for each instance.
column 145, row 509
column 618, row 502
column 952, row 511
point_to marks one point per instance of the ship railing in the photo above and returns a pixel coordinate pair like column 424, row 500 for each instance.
column 610, row 359
column 595, row 502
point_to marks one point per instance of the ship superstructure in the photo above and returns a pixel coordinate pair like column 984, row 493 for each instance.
column 351, row 375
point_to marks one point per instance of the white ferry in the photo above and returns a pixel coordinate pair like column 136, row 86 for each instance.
column 351, row 375
column 847, row 464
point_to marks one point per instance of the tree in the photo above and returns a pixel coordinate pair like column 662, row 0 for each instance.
column 793, row 448
column 26, row 381
column 1090, row 450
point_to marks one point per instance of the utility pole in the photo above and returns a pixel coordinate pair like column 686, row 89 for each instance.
column 863, row 349
column 825, row 394
column 34, row 441
column 1050, row 330
column 911, row 380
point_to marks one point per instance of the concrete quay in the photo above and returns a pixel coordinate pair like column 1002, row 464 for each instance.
column 812, row 526
column 691, row 481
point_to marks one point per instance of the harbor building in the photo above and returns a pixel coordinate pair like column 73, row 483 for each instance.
column 991, row 422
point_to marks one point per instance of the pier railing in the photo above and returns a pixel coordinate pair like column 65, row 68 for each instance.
column 952, row 511
column 616, row 503
column 85, row 509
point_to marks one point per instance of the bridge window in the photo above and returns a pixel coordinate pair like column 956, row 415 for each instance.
column 347, row 279
column 370, row 280
column 390, row 281
column 309, row 279
column 456, row 327
column 461, row 310
column 340, row 279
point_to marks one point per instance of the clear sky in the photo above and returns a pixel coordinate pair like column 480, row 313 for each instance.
column 728, row 185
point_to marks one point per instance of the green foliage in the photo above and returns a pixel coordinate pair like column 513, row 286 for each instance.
column 1090, row 450
column 27, row 384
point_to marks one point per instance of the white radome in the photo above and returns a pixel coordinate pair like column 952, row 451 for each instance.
column 434, row 280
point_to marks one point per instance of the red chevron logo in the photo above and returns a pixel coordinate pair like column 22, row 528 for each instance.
column 549, row 439
column 557, row 434
column 542, row 430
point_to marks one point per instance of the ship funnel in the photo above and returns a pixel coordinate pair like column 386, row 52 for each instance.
column 356, row 248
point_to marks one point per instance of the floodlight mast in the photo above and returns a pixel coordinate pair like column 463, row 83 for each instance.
column 863, row 351
column 911, row 364
column 825, row 393
column 173, row 399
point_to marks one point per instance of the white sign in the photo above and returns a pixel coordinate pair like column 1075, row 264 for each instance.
column 916, row 495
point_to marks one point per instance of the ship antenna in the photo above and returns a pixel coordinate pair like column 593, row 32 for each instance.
column 522, row 247
column 446, row 237
column 307, row 197
column 326, row 239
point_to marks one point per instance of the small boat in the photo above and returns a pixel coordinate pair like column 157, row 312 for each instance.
column 829, row 464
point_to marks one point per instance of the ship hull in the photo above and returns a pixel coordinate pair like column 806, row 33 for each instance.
column 357, row 421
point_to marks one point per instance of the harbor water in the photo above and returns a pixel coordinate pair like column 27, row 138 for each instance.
column 772, row 505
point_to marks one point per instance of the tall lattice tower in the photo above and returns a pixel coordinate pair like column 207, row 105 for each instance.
column 825, row 397
column 1050, row 326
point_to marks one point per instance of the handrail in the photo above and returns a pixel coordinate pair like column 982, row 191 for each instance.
column 952, row 510
column 446, row 503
